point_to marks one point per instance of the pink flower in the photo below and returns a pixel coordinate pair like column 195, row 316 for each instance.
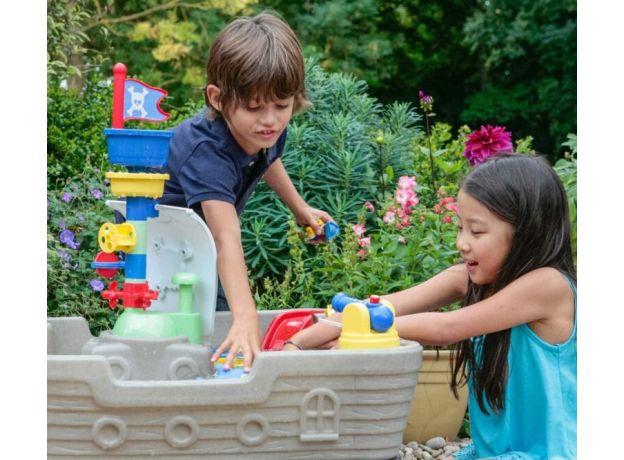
column 406, row 198
column 403, row 196
column 452, row 207
column 413, row 201
column 448, row 219
column 402, row 240
column 407, row 183
column 359, row 229
column 487, row 141
column 437, row 209
column 368, row 205
column 388, row 218
column 403, row 220
column 362, row 253
column 363, row 242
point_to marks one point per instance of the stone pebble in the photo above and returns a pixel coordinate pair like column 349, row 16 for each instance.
column 436, row 448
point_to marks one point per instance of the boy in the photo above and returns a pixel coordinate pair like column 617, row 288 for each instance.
column 255, row 82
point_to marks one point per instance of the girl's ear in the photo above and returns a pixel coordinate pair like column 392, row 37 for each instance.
column 214, row 96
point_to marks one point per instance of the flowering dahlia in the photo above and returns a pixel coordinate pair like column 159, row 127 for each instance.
column 486, row 142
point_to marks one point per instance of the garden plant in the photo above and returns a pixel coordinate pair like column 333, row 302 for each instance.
column 387, row 171
column 372, row 166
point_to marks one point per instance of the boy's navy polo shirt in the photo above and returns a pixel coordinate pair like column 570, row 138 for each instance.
column 206, row 163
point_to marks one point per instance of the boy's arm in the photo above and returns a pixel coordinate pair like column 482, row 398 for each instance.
column 277, row 178
column 244, row 335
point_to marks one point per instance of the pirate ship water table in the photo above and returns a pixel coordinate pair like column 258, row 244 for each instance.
column 147, row 388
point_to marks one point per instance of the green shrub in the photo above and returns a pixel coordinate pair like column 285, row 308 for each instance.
column 566, row 169
column 75, row 131
column 75, row 214
column 397, row 249
column 385, row 258
column 334, row 161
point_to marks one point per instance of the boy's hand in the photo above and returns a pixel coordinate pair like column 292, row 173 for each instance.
column 307, row 217
column 244, row 337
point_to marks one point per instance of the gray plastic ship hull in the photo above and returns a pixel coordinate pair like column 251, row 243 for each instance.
column 342, row 404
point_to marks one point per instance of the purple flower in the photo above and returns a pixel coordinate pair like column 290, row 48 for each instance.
column 61, row 223
column 426, row 102
column 106, row 182
column 64, row 255
column 96, row 285
column 67, row 238
column 486, row 142
column 67, row 197
column 96, row 193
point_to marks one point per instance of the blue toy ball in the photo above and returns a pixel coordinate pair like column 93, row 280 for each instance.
column 381, row 318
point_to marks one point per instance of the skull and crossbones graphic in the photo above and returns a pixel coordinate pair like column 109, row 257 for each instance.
column 137, row 101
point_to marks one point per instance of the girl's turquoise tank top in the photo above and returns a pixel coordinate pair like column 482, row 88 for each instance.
column 539, row 417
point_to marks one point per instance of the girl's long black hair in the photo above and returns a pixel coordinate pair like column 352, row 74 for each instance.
column 526, row 192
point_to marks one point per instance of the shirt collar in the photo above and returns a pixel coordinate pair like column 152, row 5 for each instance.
column 230, row 143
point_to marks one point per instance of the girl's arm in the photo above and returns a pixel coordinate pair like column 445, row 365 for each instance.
column 442, row 289
column 542, row 298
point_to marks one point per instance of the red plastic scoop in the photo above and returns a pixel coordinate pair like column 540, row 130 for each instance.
column 287, row 324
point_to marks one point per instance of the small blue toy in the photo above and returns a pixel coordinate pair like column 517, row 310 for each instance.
column 381, row 317
column 330, row 231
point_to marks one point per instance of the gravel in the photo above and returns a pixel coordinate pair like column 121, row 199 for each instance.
column 435, row 448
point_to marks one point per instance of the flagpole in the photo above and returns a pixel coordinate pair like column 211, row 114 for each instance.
column 119, row 77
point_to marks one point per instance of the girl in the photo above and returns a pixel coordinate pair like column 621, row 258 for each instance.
column 515, row 334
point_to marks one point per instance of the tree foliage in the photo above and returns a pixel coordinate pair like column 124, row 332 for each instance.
column 492, row 61
column 526, row 52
